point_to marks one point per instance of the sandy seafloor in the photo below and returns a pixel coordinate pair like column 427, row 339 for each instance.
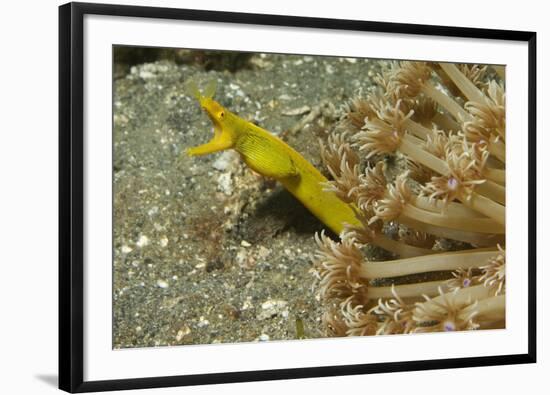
column 206, row 251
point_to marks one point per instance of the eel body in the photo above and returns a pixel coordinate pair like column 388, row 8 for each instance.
column 268, row 155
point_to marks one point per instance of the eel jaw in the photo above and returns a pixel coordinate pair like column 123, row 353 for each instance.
column 220, row 142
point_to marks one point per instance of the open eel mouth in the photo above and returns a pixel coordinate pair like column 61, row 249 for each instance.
column 221, row 140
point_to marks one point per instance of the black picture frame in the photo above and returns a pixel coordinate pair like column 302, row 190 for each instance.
column 71, row 195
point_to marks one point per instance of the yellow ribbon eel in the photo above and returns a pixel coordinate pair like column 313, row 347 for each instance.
column 268, row 155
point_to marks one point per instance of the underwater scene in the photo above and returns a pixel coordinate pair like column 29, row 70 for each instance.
column 267, row 197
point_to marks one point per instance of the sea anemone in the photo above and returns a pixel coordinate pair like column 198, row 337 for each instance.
column 445, row 195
